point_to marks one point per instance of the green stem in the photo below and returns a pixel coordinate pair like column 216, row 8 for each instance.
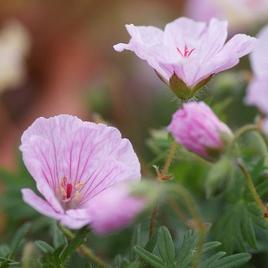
column 249, row 128
column 169, row 159
column 84, row 250
column 153, row 222
column 245, row 129
column 162, row 176
column 251, row 186
column 191, row 206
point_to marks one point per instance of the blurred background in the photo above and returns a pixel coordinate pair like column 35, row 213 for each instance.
column 57, row 57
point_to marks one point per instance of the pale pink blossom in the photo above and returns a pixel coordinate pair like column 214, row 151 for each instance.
column 187, row 53
column 82, row 171
column 241, row 14
column 257, row 93
column 199, row 130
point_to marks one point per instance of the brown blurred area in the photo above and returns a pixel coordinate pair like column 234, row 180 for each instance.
column 71, row 51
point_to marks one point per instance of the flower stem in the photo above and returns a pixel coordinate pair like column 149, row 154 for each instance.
column 153, row 222
column 251, row 186
column 249, row 128
column 84, row 250
column 200, row 225
column 245, row 129
column 162, row 176
column 169, row 159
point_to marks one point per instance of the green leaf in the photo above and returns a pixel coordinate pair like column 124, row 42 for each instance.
column 57, row 235
column 18, row 239
column 4, row 250
column 187, row 248
column 217, row 177
column 73, row 244
column 248, row 229
column 211, row 246
column 152, row 259
column 44, row 247
column 166, row 246
column 209, row 262
column 233, row 261
column 163, row 255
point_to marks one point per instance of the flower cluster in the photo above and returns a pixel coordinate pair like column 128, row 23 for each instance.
column 84, row 170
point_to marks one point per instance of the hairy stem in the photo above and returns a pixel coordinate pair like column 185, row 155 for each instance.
column 251, row 186
column 84, row 250
column 169, row 159
column 245, row 129
column 199, row 224
column 162, row 176
column 249, row 128
column 153, row 222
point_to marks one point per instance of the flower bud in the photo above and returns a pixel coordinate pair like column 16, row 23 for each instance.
column 199, row 130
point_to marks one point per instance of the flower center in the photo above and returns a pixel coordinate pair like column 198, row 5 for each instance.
column 69, row 193
column 186, row 52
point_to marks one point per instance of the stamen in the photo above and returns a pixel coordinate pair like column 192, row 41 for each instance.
column 69, row 189
column 186, row 53
column 69, row 194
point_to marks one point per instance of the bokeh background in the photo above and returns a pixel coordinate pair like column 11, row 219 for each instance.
column 57, row 57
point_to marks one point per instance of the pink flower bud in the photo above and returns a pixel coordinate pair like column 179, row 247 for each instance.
column 199, row 130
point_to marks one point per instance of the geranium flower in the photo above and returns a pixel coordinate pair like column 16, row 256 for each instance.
column 199, row 130
column 187, row 53
column 82, row 171
column 241, row 14
column 257, row 93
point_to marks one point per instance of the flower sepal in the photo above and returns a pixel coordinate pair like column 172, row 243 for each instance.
column 182, row 91
column 214, row 154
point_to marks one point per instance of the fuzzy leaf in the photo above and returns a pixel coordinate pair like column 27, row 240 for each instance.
column 152, row 259
column 166, row 246
column 18, row 238
column 44, row 247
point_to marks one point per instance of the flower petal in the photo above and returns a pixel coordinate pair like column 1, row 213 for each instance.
column 228, row 57
column 257, row 94
column 147, row 43
column 259, row 59
column 39, row 204
column 73, row 222
column 212, row 40
column 120, row 209
column 182, row 31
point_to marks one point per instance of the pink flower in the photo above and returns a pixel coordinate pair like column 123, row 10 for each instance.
column 120, row 209
column 241, row 14
column 198, row 129
column 79, row 168
column 187, row 53
column 203, row 10
column 257, row 93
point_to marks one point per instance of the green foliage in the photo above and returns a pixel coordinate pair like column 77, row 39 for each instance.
column 59, row 254
column 164, row 254
column 8, row 252
column 241, row 217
